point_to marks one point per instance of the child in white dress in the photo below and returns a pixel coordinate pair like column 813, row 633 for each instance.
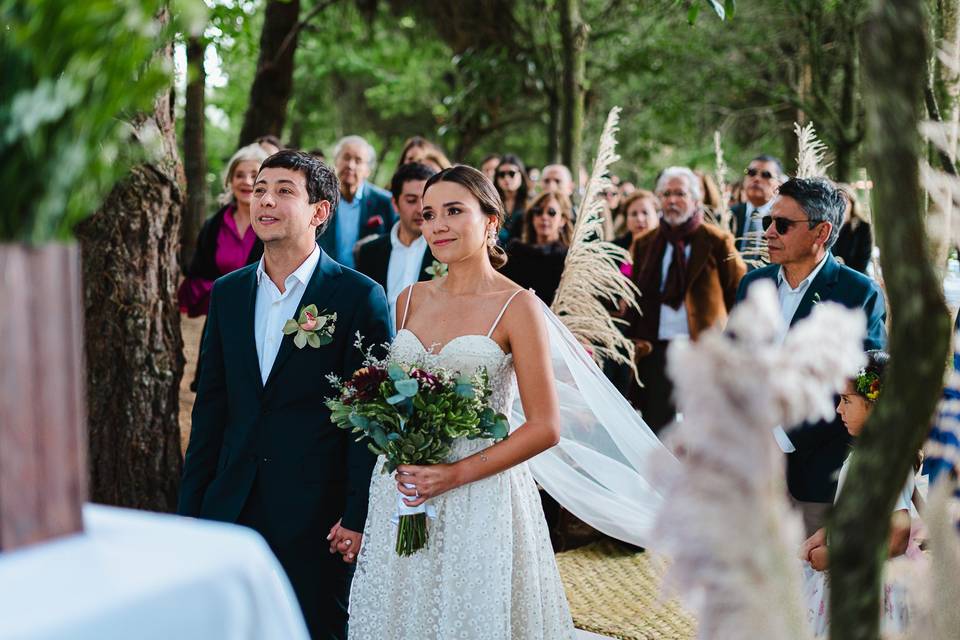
column 856, row 404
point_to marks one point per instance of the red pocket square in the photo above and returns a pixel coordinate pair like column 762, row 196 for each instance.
column 374, row 221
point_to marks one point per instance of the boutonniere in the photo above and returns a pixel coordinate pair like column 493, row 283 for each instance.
column 374, row 221
column 437, row 269
column 312, row 328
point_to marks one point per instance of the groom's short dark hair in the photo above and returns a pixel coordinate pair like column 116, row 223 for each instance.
column 322, row 182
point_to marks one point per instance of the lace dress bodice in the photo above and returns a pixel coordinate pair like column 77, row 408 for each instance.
column 488, row 570
column 466, row 355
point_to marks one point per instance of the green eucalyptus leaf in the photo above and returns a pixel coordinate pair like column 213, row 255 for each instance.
column 408, row 387
column 396, row 372
column 396, row 398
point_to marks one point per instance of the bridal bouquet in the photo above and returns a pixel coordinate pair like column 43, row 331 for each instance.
column 411, row 414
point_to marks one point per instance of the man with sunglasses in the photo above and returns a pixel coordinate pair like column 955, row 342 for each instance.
column 802, row 226
column 760, row 181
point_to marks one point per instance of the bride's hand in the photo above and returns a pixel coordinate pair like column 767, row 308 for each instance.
column 427, row 481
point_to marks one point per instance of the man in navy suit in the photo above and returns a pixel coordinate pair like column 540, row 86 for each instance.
column 401, row 257
column 363, row 209
column 760, row 181
column 263, row 452
column 803, row 224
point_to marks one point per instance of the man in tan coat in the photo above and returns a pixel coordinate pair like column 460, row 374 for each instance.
column 687, row 271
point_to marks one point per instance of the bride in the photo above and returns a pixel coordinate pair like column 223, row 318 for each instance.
column 488, row 571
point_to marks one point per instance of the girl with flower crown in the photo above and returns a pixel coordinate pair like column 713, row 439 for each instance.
column 856, row 404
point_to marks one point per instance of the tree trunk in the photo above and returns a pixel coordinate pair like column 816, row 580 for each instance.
column 273, row 82
column 894, row 60
column 553, row 127
column 194, row 152
column 133, row 345
column 573, row 34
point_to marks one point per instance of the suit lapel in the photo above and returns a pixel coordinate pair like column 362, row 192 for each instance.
column 319, row 291
column 818, row 290
column 247, row 337
column 425, row 264
column 364, row 208
column 383, row 268
column 699, row 252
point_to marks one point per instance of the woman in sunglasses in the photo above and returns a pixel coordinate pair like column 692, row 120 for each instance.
column 512, row 184
column 536, row 260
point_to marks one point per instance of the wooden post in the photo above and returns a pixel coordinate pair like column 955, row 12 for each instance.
column 43, row 471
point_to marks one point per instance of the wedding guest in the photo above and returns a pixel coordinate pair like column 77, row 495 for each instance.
column 855, row 406
column 626, row 189
column 489, row 166
column 611, row 210
column 802, row 226
column 418, row 149
column 226, row 241
column 642, row 214
column 364, row 208
column 760, row 181
column 687, row 273
column 270, row 143
column 712, row 198
column 514, row 187
column 535, row 261
column 854, row 246
column 557, row 177
column 401, row 257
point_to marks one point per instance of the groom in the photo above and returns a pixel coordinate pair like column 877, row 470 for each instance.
column 263, row 452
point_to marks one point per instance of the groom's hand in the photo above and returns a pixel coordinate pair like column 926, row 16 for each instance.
column 345, row 542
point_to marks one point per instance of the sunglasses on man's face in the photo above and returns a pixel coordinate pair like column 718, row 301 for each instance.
column 753, row 173
column 783, row 225
column 506, row 173
column 539, row 212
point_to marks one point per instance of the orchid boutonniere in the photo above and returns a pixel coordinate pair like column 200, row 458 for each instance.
column 437, row 269
column 312, row 327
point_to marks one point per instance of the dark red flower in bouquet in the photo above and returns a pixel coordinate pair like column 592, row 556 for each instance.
column 366, row 382
column 427, row 379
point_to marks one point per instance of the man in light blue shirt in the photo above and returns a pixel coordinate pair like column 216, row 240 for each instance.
column 364, row 209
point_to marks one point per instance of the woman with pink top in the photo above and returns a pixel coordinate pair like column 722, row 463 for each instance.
column 226, row 241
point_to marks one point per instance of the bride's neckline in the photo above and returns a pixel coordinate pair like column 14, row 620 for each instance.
column 452, row 340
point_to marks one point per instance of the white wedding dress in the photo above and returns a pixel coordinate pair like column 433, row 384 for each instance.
column 488, row 571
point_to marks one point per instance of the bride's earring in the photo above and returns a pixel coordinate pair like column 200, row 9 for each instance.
column 491, row 237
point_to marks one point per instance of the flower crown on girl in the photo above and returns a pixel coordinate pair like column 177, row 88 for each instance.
column 867, row 384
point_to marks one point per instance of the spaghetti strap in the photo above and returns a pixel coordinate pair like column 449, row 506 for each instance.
column 406, row 307
column 502, row 311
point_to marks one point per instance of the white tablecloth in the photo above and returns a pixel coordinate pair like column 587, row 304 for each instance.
column 145, row 576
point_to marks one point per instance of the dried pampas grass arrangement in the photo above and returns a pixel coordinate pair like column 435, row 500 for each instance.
column 592, row 283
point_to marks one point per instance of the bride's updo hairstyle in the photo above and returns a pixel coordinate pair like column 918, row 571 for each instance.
column 482, row 189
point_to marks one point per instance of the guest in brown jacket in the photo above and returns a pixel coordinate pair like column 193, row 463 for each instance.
column 687, row 272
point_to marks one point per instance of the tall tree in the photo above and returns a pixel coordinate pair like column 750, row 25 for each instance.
column 894, row 61
column 273, row 80
column 573, row 33
column 194, row 150
column 133, row 344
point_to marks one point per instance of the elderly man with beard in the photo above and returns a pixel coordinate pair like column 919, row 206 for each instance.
column 687, row 272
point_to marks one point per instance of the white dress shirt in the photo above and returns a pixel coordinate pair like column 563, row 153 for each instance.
column 673, row 322
column 403, row 268
column 790, row 298
column 273, row 309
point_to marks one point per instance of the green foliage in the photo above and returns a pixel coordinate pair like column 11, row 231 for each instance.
column 65, row 87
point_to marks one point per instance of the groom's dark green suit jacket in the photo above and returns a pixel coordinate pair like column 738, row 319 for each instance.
column 308, row 472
